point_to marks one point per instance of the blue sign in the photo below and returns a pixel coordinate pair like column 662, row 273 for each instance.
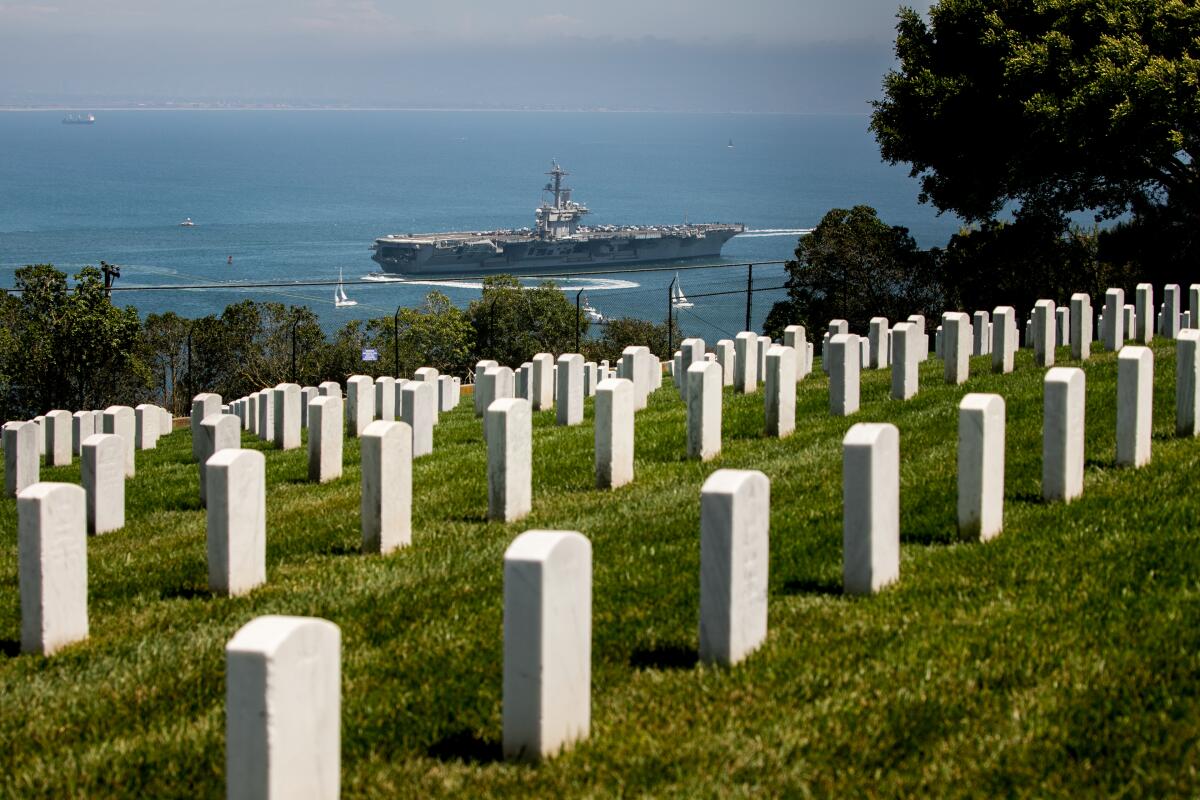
column 370, row 354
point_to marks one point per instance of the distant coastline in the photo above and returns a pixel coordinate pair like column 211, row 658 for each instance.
column 408, row 109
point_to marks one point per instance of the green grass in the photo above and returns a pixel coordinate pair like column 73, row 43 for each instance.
column 1060, row 659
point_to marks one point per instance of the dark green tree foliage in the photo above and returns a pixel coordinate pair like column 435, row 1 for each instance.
column 164, row 338
column 512, row 324
column 1018, row 263
column 438, row 334
column 853, row 266
column 625, row 332
column 1055, row 107
column 68, row 347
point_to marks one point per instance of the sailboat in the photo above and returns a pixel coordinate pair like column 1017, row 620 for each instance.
column 730, row 145
column 678, row 299
column 340, row 300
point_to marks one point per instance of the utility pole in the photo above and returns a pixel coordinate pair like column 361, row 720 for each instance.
column 111, row 273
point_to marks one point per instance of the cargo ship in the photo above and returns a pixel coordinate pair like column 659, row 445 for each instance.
column 558, row 242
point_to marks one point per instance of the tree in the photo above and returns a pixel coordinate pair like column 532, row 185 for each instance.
column 512, row 323
column 165, row 339
column 72, row 348
column 1053, row 107
column 438, row 335
column 625, row 332
column 853, row 266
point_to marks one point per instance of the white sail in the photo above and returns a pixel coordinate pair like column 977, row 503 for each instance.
column 678, row 299
column 340, row 299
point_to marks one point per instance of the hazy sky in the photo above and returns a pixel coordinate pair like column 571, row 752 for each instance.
column 764, row 55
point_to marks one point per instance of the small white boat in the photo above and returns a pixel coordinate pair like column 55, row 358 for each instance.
column 678, row 299
column 730, row 145
column 340, row 300
column 591, row 313
column 187, row 223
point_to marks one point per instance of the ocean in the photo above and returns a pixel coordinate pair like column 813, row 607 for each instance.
column 300, row 195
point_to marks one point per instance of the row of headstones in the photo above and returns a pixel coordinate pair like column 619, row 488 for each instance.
column 107, row 457
column 548, row 576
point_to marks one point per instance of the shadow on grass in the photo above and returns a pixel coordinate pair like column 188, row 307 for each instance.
column 671, row 656
column 10, row 648
column 187, row 593
column 812, row 586
column 467, row 747
column 340, row 549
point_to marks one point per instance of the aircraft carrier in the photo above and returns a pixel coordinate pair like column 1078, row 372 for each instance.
column 558, row 242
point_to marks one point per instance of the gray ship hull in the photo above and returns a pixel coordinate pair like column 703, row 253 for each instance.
column 490, row 255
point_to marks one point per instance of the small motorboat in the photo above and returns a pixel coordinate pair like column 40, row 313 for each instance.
column 187, row 223
column 590, row 313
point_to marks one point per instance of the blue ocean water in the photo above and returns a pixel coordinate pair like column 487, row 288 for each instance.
column 294, row 196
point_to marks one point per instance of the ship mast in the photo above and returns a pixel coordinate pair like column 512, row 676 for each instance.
column 558, row 173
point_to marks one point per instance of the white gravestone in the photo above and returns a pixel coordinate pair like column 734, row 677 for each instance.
column 735, row 520
column 1004, row 348
column 307, row 395
column 745, row 361
column 764, row 342
column 1131, row 323
column 102, row 474
column 329, row 389
column 287, row 416
column 166, row 423
column 283, row 710
column 541, row 382
column 419, row 411
column 385, row 398
column 1043, row 333
column 325, row 439
column 217, row 432
column 510, row 459
column 1194, row 304
column 981, row 344
column 547, row 686
column 844, row 353
column 1171, row 298
column 386, row 487
column 690, row 351
column 981, row 419
column 877, row 343
column 1187, row 383
column 57, row 430
column 252, row 424
column 1144, row 309
column 1081, row 327
column 1135, row 405
column 480, row 367
column 266, row 415
column 1062, row 327
column 1114, row 310
column 591, row 377
column 146, row 418
column 956, row 347
column 724, row 350
column 923, row 347
column 119, row 420
column 779, row 392
column 40, row 421
column 494, row 384
column 906, row 362
column 52, row 566
column 203, row 405
column 22, row 465
column 83, row 425
column 1062, row 434
column 237, row 521
column 703, row 410
column 871, row 507
column 614, row 432
column 360, row 403
column 794, row 336
column 569, row 407
column 447, row 393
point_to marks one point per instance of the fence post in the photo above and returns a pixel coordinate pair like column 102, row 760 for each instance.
column 295, row 322
column 190, row 379
column 749, row 294
column 577, row 319
column 670, row 330
column 396, row 342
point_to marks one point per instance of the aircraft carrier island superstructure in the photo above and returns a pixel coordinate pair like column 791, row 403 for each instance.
column 558, row 242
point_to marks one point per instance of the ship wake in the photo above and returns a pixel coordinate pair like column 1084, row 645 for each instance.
column 568, row 284
column 758, row 233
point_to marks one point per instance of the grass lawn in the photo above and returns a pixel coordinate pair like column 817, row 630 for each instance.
column 1060, row 659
